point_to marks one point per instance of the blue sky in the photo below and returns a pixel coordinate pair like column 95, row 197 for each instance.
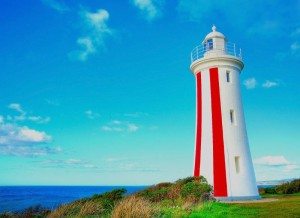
column 100, row 93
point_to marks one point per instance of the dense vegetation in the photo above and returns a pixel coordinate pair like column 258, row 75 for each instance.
column 285, row 188
column 153, row 201
column 189, row 197
column 146, row 203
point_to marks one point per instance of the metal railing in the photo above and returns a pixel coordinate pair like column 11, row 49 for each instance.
column 209, row 48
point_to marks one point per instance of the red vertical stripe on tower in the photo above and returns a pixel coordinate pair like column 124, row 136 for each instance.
column 198, row 126
column 220, row 184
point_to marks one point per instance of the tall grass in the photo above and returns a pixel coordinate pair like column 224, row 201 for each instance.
column 133, row 207
column 97, row 205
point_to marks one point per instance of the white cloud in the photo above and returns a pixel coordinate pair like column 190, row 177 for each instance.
column 295, row 46
column 56, row 5
column 69, row 163
column 52, row 102
column 250, row 83
column 13, row 134
column 16, row 106
column 28, row 151
column 111, row 129
column 73, row 161
column 291, row 167
column 294, row 50
column 39, row 119
column 269, row 84
column 151, row 9
column 275, row 167
column 87, row 48
column 22, row 115
column 24, row 141
column 132, row 127
column 31, row 135
column 296, row 32
column 20, row 140
column 106, row 165
column 120, row 126
column 96, row 32
column 136, row 114
column 91, row 115
column 128, row 164
column 272, row 161
column 106, row 128
column 117, row 122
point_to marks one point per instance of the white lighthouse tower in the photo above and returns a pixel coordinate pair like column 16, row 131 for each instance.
column 222, row 153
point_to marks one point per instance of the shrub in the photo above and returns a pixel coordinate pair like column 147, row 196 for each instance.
column 71, row 209
column 174, row 192
column 155, row 195
column 186, row 180
column 270, row 190
column 289, row 187
column 133, row 207
column 194, row 190
column 99, row 204
column 207, row 196
column 34, row 211
column 285, row 188
column 113, row 195
column 162, row 185
column 262, row 191
column 91, row 208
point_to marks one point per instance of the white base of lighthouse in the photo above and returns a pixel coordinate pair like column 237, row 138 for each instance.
column 237, row 198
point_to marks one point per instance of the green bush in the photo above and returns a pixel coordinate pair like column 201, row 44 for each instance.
column 155, row 195
column 270, row 190
column 200, row 179
column 33, row 211
column 289, row 187
column 285, row 188
column 99, row 204
column 195, row 189
column 190, row 188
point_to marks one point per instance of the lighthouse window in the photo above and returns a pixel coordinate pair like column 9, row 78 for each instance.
column 228, row 76
column 232, row 117
column 209, row 45
column 237, row 164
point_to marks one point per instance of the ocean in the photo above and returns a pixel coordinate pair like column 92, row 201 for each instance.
column 17, row 198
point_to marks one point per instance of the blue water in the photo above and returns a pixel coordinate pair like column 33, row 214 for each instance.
column 16, row 198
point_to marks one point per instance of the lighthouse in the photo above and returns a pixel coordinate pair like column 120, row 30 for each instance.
column 222, row 153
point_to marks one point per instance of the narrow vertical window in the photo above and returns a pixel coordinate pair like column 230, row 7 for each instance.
column 228, row 76
column 209, row 45
column 237, row 164
column 232, row 117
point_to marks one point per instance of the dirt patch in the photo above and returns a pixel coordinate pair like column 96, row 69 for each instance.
column 263, row 200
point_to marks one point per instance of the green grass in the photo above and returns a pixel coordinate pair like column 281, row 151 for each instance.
column 189, row 197
column 216, row 209
column 285, row 206
column 279, row 195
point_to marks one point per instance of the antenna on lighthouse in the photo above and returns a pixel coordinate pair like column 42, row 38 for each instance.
column 214, row 28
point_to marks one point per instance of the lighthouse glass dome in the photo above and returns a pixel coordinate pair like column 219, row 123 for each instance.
column 215, row 43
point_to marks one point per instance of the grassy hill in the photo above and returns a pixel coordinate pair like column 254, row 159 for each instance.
column 189, row 197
